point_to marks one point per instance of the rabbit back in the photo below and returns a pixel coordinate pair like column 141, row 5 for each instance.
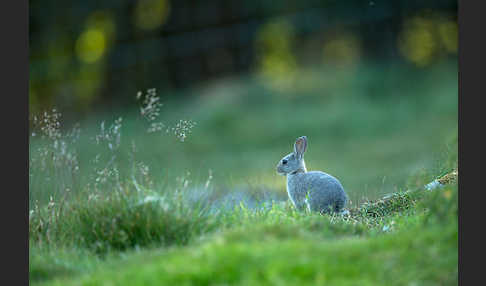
column 317, row 190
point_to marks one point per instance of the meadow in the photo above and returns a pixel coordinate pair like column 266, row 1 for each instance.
column 130, row 196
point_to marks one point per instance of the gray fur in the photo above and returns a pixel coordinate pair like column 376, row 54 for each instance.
column 314, row 190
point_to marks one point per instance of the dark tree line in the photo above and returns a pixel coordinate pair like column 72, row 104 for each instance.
column 195, row 40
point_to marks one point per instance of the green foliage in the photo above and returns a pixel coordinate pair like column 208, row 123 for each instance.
column 118, row 221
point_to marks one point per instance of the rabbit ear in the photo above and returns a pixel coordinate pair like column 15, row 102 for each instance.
column 300, row 146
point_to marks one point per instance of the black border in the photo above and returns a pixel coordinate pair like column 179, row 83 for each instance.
column 15, row 88
column 471, row 66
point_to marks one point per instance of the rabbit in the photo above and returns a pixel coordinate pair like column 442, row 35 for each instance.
column 314, row 190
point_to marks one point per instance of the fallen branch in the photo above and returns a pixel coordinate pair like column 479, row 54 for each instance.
column 396, row 201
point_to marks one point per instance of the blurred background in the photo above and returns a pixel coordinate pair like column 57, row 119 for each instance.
column 373, row 84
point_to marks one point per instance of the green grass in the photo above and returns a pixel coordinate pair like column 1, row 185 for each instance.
column 416, row 244
column 219, row 213
column 394, row 260
column 117, row 222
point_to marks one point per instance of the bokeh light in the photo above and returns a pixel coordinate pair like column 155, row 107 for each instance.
column 417, row 42
column 94, row 41
column 276, row 61
column 91, row 45
column 91, row 48
column 102, row 20
column 342, row 50
column 448, row 34
column 151, row 14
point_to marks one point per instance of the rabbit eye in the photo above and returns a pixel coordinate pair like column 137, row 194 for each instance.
column 284, row 161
